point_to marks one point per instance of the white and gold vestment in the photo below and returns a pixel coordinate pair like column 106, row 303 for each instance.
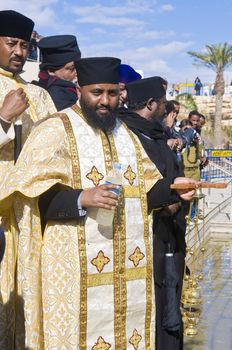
column 82, row 286
column 41, row 106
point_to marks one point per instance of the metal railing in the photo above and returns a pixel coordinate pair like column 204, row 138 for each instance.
column 220, row 165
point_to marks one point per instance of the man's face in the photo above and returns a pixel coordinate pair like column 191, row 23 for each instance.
column 98, row 102
column 122, row 94
column 159, row 108
column 68, row 72
column 195, row 121
column 201, row 122
column 177, row 109
column 13, row 54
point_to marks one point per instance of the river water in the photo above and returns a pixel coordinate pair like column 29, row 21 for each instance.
column 215, row 325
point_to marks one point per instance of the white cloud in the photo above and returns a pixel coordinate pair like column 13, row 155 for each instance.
column 141, row 34
column 123, row 15
column 111, row 21
column 167, row 8
column 41, row 11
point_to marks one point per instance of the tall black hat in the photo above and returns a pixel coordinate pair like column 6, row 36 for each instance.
column 142, row 90
column 98, row 70
column 15, row 25
column 58, row 50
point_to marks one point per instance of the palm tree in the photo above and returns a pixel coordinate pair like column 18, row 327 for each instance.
column 217, row 57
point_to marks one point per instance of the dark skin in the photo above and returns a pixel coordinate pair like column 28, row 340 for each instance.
column 100, row 97
column 13, row 54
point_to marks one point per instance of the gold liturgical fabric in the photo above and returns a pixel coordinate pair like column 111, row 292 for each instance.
column 41, row 106
column 81, row 285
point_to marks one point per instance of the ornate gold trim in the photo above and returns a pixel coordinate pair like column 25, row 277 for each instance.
column 107, row 278
column 95, row 176
column 120, row 226
column 131, row 191
column 146, row 239
column 110, row 153
column 80, row 233
column 130, row 175
column 100, row 261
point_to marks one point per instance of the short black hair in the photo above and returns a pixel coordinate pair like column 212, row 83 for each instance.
column 185, row 122
column 136, row 106
column 175, row 102
column 195, row 112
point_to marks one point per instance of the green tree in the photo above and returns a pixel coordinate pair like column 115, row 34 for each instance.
column 217, row 57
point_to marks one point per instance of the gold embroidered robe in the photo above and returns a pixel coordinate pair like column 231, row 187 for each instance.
column 41, row 106
column 83, row 286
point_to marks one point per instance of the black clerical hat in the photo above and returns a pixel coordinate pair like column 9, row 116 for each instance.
column 142, row 90
column 98, row 70
column 58, row 50
column 15, row 25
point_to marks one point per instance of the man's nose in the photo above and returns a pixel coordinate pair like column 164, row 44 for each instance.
column 18, row 50
column 104, row 99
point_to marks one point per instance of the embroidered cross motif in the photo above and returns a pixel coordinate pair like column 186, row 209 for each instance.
column 130, row 175
column 101, row 345
column 135, row 339
column 100, row 261
column 95, row 176
column 136, row 256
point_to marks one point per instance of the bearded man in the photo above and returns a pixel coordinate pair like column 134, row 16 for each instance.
column 18, row 100
column 81, row 285
column 144, row 116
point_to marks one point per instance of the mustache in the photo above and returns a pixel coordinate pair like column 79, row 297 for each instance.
column 106, row 107
column 17, row 58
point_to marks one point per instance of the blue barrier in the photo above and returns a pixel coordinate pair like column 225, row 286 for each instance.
column 220, row 164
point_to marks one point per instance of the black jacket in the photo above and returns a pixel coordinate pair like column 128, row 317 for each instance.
column 166, row 229
column 62, row 92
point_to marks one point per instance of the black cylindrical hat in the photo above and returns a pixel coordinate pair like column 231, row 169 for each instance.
column 15, row 25
column 142, row 90
column 98, row 70
column 58, row 50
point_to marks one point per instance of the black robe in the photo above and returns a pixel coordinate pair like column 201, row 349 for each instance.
column 169, row 231
column 165, row 228
column 62, row 92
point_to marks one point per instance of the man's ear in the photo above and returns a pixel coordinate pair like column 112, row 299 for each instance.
column 78, row 91
column 51, row 72
column 150, row 104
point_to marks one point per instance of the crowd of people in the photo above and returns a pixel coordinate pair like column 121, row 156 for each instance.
column 88, row 154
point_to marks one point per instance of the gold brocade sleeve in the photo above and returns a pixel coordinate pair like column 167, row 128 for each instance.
column 151, row 173
column 44, row 161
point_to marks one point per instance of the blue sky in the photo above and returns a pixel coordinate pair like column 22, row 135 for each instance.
column 151, row 35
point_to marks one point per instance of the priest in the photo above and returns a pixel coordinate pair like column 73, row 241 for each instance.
column 19, row 100
column 82, row 285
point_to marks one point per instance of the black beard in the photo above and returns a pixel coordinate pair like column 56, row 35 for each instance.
column 104, row 123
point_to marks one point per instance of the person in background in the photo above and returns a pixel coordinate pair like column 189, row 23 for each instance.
column 57, row 70
column 144, row 116
column 32, row 54
column 2, row 244
column 202, row 122
column 127, row 74
column 197, row 86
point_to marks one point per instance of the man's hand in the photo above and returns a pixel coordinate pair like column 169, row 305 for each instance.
column 99, row 197
column 172, row 143
column 14, row 104
column 186, row 195
column 170, row 119
column 204, row 161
